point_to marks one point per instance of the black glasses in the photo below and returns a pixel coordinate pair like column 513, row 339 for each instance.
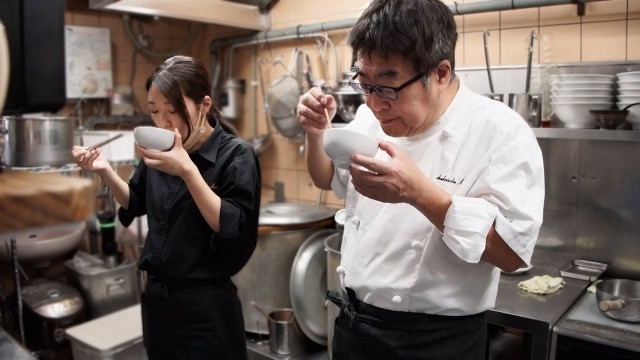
column 385, row 92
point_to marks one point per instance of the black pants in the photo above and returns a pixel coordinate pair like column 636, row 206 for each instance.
column 364, row 332
column 192, row 321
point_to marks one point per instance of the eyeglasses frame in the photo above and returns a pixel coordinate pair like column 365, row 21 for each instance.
column 374, row 88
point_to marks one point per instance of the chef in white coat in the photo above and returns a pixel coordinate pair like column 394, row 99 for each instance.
column 454, row 194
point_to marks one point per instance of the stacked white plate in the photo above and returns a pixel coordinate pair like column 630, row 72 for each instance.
column 629, row 93
column 573, row 95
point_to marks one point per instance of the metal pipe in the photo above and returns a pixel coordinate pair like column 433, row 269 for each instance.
column 456, row 9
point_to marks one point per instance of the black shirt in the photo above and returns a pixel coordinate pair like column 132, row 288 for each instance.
column 180, row 244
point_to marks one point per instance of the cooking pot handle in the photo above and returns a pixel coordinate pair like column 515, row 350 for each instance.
column 611, row 305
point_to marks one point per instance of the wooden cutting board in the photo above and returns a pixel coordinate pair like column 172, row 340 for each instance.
column 29, row 199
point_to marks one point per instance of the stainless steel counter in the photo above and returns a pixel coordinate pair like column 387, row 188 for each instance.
column 10, row 348
column 535, row 314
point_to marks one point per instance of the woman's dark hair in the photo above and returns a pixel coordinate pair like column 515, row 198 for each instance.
column 181, row 76
column 422, row 31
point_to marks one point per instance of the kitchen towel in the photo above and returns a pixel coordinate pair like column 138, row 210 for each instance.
column 544, row 284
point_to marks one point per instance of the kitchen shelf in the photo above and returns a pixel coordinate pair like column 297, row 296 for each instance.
column 587, row 134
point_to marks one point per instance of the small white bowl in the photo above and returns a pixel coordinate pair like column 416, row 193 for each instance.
column 576, row 115
column 581, row 92
column 582, row 77
column 581, row 85
column 340, row 144
column 582, row 98
column 628, row 99
column 629, row 76
column 155, row 138
column 629, row 92
column 623, row 84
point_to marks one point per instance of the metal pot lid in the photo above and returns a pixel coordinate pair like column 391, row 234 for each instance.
column 286, row 213
column 308, row 286
column 52, row 299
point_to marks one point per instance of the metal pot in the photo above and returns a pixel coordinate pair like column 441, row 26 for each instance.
column 619, row 299
column 38, row 140
column 283, row 228
column 347, row 99
column 332, row 247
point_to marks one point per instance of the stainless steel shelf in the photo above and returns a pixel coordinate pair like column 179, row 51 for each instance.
column 587, row 134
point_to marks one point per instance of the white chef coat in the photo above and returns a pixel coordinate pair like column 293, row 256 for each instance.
column 486, row 156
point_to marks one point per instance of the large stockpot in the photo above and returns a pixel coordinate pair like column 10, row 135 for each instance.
column 619, row 299
column 265, row 279
column 38, row 140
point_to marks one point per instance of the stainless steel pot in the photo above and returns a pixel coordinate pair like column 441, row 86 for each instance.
column 332, row 247
column 38, row 140
column 283, row 228
column 347, row 99
column 619, row 299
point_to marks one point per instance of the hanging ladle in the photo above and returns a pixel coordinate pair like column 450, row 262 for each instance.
column 262, row 311
column 612, row 118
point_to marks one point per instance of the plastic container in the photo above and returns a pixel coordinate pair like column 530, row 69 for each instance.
column 105, row 288
column 116, row 336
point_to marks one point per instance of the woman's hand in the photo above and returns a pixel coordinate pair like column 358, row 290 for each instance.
column 89, row 159
column 174, row 162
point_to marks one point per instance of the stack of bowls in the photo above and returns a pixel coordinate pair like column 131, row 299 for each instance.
column 629, row 93
column 573, row 95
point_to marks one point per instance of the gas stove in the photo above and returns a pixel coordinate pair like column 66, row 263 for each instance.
column 584, row 326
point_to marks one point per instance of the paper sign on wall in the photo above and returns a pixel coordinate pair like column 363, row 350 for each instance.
column 88, row 62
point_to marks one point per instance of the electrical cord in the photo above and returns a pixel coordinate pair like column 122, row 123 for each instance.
column 144, row 48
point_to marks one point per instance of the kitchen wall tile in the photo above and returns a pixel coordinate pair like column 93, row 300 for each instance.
column 604, row 35
column 474, row 49
column 284, row 11
column 460, row 51
column 514, row 46
column 560, row 43
column 633, row 12
column 519, row 18
column 605, row 11
column 306, row 190
column 633, row 40
column 482, row 21
column 559, row 14
column 85, row 19
column 112, row 21
column 121, row 72
column 355, row 7
column 288, row 177
column 282, row 154
column 68, row 17
column 121, row 48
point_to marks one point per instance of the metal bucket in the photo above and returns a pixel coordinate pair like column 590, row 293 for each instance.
column 332, row 247
column 285, row 336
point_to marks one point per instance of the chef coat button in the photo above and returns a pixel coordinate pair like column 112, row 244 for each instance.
column 341, row 270
column 396, row 299
column 415, row 244
column 355, row 220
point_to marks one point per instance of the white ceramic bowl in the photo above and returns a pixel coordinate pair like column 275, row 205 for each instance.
column 582, row 77
column 628, row 99
column 628, row 84
column 582, row 98
column 582, row 85
column 629, row 92
column 151, row 137
column 629, row 76
column 582, row 91
column 634, row 114
column 340, row 144
column 576, row 115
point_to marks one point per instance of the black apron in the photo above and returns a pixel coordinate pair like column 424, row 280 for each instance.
column 192, row 320
column 364, row 332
